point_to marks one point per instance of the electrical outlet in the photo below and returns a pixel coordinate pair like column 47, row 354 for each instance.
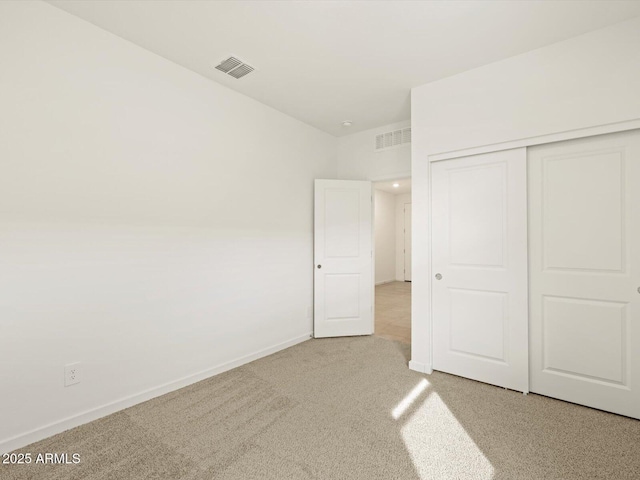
column 71, row 374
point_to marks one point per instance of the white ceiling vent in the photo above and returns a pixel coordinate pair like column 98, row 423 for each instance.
column 388, row 140
column 234, row 67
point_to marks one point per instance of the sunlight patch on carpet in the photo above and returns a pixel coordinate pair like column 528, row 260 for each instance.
column 440, row 447
column 411, row 397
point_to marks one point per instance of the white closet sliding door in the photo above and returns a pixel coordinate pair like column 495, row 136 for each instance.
column 584, row 213
column 479, row 293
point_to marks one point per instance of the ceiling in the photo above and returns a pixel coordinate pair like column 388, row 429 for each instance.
column 324, row 62
column 404, row 186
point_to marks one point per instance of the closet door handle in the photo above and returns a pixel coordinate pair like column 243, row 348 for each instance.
column 438, row 276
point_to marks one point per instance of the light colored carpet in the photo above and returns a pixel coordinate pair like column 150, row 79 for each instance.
column 345, row 408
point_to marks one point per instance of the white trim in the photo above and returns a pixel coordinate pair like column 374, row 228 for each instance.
column 87, row 416
column 539, row 140
column 373, row 258
column 420, row 367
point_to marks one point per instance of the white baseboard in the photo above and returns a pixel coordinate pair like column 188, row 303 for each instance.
column 420, row 367
column 87, row 416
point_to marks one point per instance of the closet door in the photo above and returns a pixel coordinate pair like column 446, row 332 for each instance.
column 479, row 293
column 584, row 213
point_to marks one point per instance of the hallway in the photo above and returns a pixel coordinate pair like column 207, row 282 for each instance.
column 393, row 311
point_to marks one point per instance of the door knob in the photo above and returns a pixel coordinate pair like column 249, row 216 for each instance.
column 319, row 266
column 438, row 276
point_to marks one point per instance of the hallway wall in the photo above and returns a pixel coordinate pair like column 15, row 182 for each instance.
column 385, row 236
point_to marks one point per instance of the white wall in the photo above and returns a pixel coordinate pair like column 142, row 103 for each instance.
column 389, row 234
column 401, row 201
column 585, row 81
column 154, row 225
column 581, row 83
column 385, row 236
column 357, row 159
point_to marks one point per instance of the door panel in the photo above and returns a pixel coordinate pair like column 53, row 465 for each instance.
column 343, row 275
column 585, row 262
column 477, row 211
column 341, row 222
column 478, row 335
column 480, row 250
column 584, row 337
column 583, row 223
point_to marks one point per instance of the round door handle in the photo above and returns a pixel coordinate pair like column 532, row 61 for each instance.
column 438, row 276
column 319, row 266
column 638, row 289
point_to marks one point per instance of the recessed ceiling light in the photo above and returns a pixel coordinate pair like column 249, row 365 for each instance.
column 396, row 185
column 347, row 123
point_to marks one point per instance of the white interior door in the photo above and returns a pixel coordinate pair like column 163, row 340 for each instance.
column 343, row 256
column 585, row 271
column 479, row 254
column 407, row 242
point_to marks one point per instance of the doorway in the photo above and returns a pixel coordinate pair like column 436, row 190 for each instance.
column 392, row 226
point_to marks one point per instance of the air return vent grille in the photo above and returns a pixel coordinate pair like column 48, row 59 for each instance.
column 229, row 64
column 234, row 67
column 388, row 140
column 241, row 71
